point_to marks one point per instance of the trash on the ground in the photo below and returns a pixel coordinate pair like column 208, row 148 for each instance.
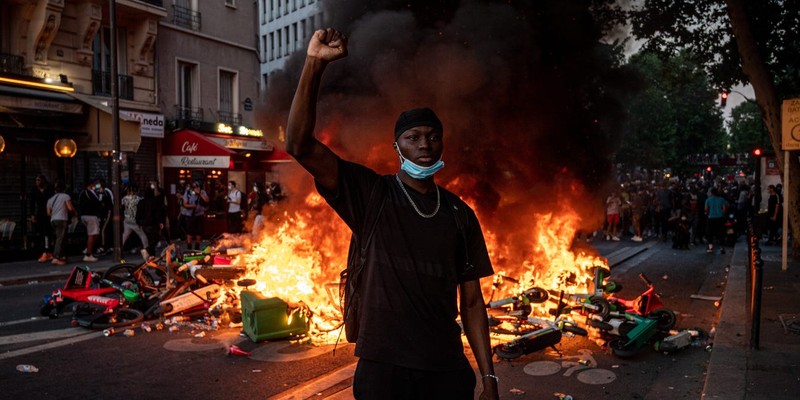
column 585, row 362
column 174, row 328
column 675, row 342
column 256, row 370
column 516, row 391
column 769, row 287
column 159, row 326
column 790, row 323
column 665, row 277
column 200, row 335
column 704, row 297
column 27, row 368
column 109, row 331
column 562, row 396
column 129, row 332
column 146, row 327
column 237, row 351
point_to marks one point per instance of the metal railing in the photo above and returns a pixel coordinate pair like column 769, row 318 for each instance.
column 188, row 113
column 159, row 3
column 756, row 269
column 186, row 17
column 12, row 64
column 230, row 117
column 101, row 84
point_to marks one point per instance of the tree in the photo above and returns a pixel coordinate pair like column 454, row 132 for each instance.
column 747, row 129
column 673, row 115
column 754, row 42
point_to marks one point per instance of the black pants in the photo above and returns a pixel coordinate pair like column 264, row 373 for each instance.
column 235, row 222
column 380, row 381
column 716, row 229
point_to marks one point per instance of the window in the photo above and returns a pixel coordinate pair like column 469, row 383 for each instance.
column 101, row 64
column 187, row 90
column 304, row 31
column 186, row 15
column 271, row 46
column 286, row 37
column 286, row 7
column 295, row 37
column 280, row 45
column 228, row 94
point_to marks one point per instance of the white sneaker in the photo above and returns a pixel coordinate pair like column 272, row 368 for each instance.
column 615, row 238
column 89, row 258
column 710, row 248
column 637, row 238
column 84, row 251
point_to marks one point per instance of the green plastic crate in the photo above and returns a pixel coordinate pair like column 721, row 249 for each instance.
column 271, row 318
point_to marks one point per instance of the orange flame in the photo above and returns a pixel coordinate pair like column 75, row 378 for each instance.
column 299, row 255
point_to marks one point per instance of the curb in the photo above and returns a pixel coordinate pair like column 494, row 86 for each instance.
column 726, row 375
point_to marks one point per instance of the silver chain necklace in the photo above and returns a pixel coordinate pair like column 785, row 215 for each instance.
column 438, row 202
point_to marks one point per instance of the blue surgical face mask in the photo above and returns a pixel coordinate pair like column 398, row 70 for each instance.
column 417, row 171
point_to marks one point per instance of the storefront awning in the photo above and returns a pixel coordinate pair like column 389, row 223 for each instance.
column 262, row 150
column 98, row 125
column 19, row 100
column 189, row 149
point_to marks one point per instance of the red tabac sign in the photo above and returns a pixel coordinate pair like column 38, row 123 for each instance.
column 189, row 149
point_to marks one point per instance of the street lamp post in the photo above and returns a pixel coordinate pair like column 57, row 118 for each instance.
column 116, row 154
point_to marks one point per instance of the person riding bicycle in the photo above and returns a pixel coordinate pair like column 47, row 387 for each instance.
column 409, row 344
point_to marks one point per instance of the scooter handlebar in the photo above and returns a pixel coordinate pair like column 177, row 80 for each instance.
column 645, row 280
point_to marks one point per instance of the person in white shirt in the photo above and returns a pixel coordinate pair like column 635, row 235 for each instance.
column 60, row 209
column 234, row 200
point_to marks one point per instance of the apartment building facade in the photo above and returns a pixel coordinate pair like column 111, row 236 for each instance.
column 285, row 26
column 55, row 96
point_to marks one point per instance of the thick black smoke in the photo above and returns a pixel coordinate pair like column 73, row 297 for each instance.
column 526, row 92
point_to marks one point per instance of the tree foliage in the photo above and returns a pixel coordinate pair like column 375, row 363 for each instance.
column 747, row 130
column 675, row 114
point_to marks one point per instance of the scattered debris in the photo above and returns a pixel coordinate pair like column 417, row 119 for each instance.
column 517, row 392
column 704, row 297
column 237, row 351
column 27, row 368
column 790, row 323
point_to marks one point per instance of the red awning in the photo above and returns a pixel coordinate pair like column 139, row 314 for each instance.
column 277, row 155
column 189, row 149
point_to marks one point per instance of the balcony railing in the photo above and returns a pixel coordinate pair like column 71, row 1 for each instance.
column 101, row 84
column 229, row 117
column 11, row 64
column 188, row 113
column 186, row 17
column 158, row 3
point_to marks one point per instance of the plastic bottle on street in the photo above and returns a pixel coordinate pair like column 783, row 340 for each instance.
column 27, row 368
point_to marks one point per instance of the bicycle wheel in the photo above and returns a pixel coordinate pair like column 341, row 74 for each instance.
column 116, row 319
column 121, row 273
column 666, row 318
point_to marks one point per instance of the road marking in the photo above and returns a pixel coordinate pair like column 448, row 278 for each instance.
column 286, row 351
column 34, row 349
column 310, row 389
column 22, row 321
column 46, row 335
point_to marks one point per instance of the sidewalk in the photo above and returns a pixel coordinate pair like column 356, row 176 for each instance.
column 22, row 272
column 737, row 372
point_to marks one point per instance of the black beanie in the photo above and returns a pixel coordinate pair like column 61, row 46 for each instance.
column 414, row 118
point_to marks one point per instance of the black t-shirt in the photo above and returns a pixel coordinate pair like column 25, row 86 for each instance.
column 409, row 285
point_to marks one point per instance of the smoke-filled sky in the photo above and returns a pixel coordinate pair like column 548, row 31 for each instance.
column 526, row 93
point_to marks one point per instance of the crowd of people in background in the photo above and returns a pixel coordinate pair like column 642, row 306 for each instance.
column 144, row 211
column 689, row 214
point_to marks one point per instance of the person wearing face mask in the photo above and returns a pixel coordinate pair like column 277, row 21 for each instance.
column 90, row 207
column 234, row 200
column 424, row 259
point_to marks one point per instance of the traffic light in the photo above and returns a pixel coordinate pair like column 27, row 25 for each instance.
column 723, row 99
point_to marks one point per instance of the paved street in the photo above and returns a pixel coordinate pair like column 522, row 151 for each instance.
column 79, row 363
